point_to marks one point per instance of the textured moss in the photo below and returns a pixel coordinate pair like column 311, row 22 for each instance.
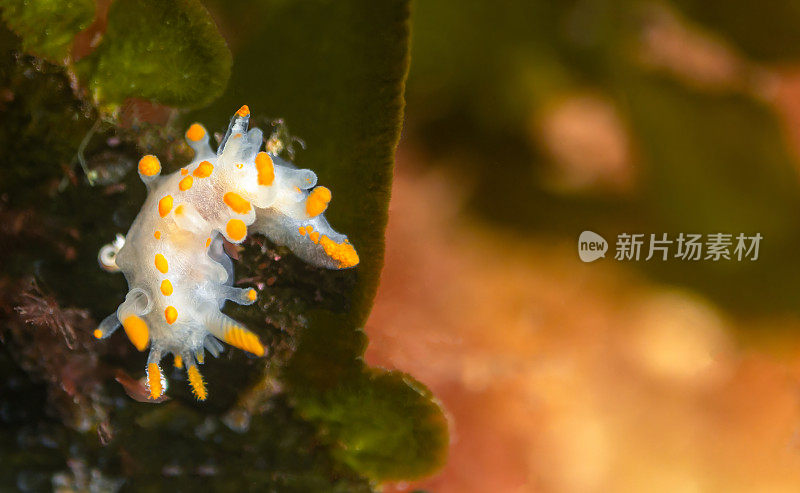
column 47, row 27
column 388, row 425
column 167, row 52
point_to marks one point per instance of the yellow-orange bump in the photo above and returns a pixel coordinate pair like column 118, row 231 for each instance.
column 317, row 201
column 154, row 380
column 236, row 229
column 265, row 169
column 302, row 230
column 184, row 171
column 166, row 287
column 208, row 242
column 170, row 314
column 243, row 111
column 252, row 295
column 161, row 263
column 203, row 169
column 177, row 361
column 157, row 235
column 180, row 210
column 236, row 202
column 343, row 253
column 185, row 183
column 314, row 236
column 195, row 132
column 165, row 205
column 197, row 383
column 137, row 331
column 149, row 165
column 244, row 340
column 98, row 333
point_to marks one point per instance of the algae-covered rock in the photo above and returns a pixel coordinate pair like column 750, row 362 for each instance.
column 311, row 416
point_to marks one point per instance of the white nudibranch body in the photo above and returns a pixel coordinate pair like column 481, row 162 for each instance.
column 173, row 258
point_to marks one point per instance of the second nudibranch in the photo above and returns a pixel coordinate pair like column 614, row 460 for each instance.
column 178, row 273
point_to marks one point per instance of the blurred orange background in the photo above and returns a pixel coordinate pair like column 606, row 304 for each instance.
column 613, row 376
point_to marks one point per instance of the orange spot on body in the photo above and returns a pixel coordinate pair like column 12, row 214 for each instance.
column 184, row 171
column 177, row 361
column 180, row 210
column 208, row 242
column 195, row 132
column 265, row 169
column 243, row 111
column 236, row 202
column 197, row 383
column 252, row 295
column 161, row 263
column 166, row 287
column 170, row 314
column 137, row 331
column 154, row 380
column 317, row 201
column 203, row 169
column 149, row 165
column 314, row 236
column 98, row 333
column 239, row 165
column 165, row 205
column 185, row 183
column 157, row 235
column 343, row 253
column 302, row 230
column 236, row 229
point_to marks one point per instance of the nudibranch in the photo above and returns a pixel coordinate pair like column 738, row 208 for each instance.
column 178, row 273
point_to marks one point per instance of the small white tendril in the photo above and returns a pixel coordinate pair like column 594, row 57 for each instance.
column 107, row 257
